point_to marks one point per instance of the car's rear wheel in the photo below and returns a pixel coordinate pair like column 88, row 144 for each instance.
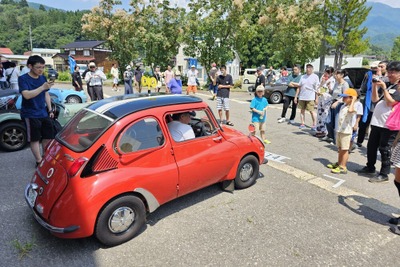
column 120, row 220
column 12, row 136
column 275, row 98
column 73, row 99
column 247, row 172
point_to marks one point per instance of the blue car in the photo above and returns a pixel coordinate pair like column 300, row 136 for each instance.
column 63, row 96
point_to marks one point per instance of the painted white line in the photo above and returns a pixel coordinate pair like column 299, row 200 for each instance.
column 275, row 157
column 341, row 181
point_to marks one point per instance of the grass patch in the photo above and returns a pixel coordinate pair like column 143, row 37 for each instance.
column 24, row 248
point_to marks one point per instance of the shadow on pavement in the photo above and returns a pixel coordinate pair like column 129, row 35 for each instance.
column 361, row 206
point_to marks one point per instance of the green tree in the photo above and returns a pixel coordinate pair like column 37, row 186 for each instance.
column 23, row 3
column 395, row 53
column 210, row 29
column 42, row 8
column 296, row 32
column 344, row 20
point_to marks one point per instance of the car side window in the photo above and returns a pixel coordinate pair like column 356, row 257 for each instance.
column 143, row 134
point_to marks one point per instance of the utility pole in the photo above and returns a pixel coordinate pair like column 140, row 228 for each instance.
column 30, row 37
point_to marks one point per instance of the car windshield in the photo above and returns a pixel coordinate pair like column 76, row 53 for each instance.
column 83, row 130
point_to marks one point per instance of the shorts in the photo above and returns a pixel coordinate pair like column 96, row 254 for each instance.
column 343, row 141
column 115, row 81
column 213, row 88
column 261, row 126
column 39, row 128
column 192, row 88
column 306, row 104
column 222, row 103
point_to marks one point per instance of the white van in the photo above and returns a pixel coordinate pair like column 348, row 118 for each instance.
column 249, row 76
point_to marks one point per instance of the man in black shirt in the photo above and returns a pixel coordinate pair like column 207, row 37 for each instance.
column 225, row 83
column 260, row 78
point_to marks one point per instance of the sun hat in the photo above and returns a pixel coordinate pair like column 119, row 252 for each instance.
column 260, row 88
column 92, row 64
column 349, row 92
column 177, row 73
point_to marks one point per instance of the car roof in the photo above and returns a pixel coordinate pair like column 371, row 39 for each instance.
column 120, row 106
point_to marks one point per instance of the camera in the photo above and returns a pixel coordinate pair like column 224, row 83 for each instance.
column 375, row 79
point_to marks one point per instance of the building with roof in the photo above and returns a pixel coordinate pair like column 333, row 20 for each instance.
column 6, row 51
column 84, row 52
column 46, row 53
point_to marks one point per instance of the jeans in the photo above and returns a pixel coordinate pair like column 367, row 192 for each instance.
column 286, row 104
column 362, row 128
column 382, row 139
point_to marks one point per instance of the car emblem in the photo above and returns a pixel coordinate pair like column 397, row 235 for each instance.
column 50, row 173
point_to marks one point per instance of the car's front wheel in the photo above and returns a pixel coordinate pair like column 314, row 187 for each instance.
column 246, row 81
column 120, row 220
column 73, row 99
column 275, row 98
column 247, row 172
column 12, row 136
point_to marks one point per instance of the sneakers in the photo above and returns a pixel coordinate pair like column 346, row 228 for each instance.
column 332, row 165
column 380, row 178
column 266, row 141
column 281, row 120
column 395, row 221
column 302, row 126
column 339, row 170
column 314, row 128
column 366, row 170
column 291, row 122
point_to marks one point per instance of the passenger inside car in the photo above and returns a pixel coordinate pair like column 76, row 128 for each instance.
column 179, row 126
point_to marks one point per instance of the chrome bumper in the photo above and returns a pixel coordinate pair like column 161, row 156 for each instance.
column 47, row 226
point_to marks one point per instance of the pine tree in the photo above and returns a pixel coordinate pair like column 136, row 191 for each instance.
column 395, row 54
column 41, row 7
column 344, row 20
column 23, row 3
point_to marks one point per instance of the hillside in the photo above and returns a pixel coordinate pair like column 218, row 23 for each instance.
column 383, row 25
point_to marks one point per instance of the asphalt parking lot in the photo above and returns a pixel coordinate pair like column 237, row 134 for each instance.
column 293, row 215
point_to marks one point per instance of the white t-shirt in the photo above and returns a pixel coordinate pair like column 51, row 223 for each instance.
column 180, row 131
column 382, row 112
column 14, row 74
column 346, row 120
column 308, row 87
column 359, row 108
column 192, row 75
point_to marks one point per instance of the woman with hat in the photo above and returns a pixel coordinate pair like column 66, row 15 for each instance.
column 128, row 80
column 175, row 84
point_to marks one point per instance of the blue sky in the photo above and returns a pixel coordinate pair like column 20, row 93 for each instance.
column 88, row 4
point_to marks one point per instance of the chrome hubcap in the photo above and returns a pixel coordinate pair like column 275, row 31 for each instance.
column 121, row 219
column 246, row 172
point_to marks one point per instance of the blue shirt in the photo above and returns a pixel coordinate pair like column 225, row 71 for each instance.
column 291, row 91
column 175, row 86
column 258, row 103
column 34, row 107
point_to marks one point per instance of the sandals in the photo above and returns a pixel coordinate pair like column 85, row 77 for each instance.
column 229, row 123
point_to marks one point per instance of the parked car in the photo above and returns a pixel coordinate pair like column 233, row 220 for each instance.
column 67, row 96
column 13, row 135
column 249, row 76
column 52, row 73
column 116, row 161
column 274, row 92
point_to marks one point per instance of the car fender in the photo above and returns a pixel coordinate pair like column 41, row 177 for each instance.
column 10, row 116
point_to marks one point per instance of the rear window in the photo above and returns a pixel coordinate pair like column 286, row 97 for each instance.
column 83, row 130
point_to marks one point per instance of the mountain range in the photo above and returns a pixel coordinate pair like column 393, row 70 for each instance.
column 383, row 24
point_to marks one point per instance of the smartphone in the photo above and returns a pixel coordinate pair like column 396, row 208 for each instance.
column 52, row 78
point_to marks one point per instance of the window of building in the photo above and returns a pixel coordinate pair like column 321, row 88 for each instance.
column 86, row 52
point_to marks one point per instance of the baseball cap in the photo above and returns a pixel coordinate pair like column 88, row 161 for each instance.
column 177, row 73
column 260, row 88
column 193, row 66
column 349, row 92
column 259, row 68
column 128, row 67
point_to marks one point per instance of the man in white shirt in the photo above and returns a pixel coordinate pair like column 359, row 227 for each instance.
column 306, row 96
column 94, row 78
column 13, row 72
column 179, row 128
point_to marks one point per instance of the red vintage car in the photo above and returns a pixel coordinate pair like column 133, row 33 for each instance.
column 115, row 161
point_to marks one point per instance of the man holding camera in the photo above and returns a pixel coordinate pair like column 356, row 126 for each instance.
column 36, row 111
column 385, row 96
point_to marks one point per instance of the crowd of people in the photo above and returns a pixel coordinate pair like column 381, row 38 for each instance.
column 339, row 117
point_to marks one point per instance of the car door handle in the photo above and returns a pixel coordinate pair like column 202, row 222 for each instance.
column 217, row 139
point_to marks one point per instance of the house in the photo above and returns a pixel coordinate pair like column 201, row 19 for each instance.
column 6, row 51
column 46, row 53
column 84, row 52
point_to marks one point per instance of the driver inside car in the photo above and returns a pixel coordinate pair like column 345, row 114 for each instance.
column 179, row 126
